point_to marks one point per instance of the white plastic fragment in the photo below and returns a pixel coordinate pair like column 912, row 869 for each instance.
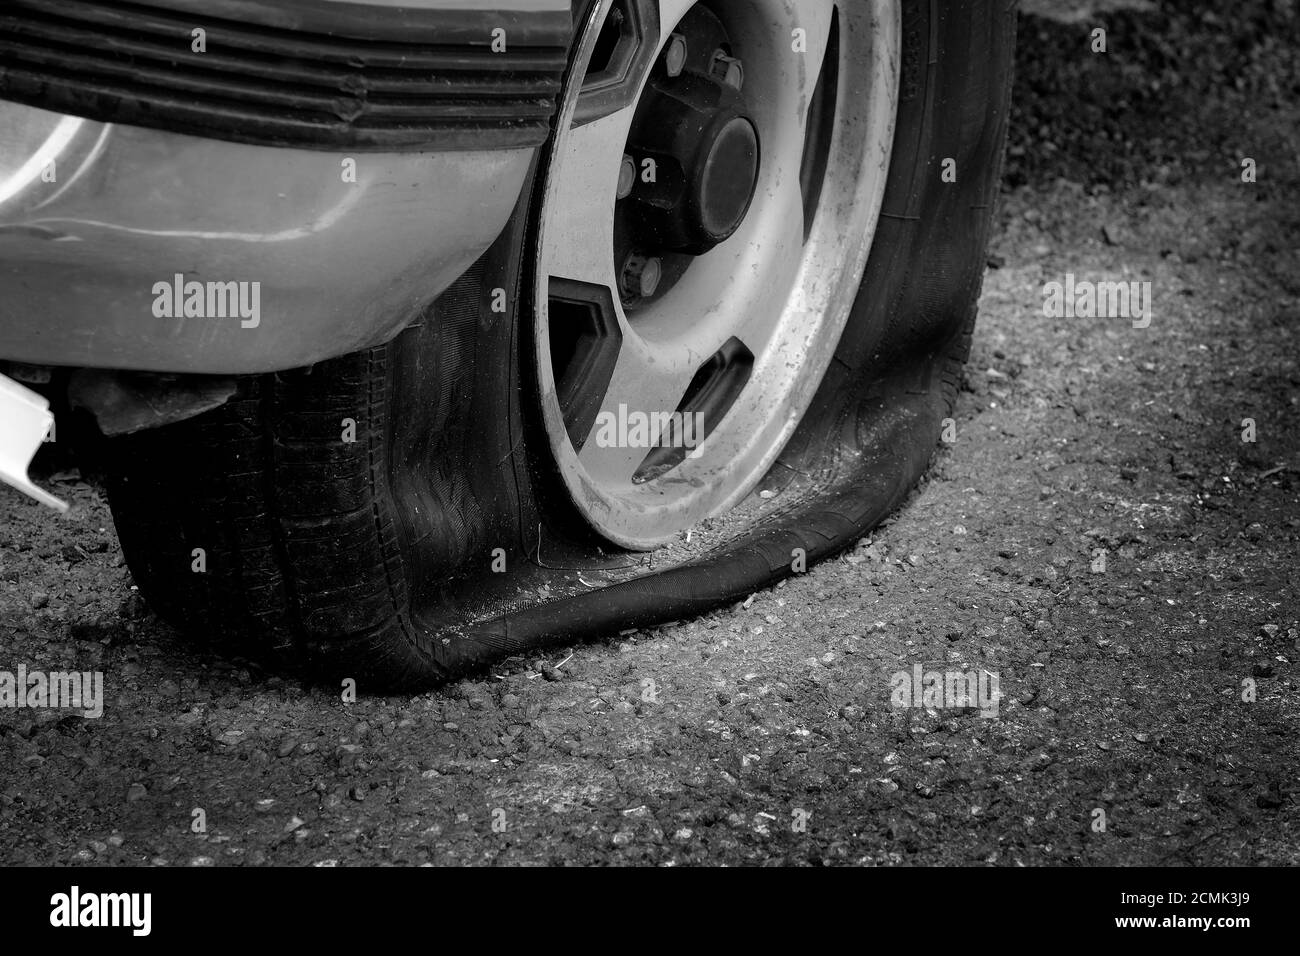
column 25, row 420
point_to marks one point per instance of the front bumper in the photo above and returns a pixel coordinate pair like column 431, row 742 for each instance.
column 339, row 265
column 330, row 165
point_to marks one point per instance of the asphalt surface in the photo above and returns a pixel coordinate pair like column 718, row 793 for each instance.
column 1149, row 709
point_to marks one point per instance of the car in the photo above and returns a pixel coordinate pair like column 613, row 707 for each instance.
column 425, row 332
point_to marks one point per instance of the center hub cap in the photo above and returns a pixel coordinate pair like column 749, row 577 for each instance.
column 697, row 151
column 726, row 180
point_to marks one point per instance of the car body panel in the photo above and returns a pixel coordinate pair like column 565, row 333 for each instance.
column 339, row 265
column 343, row 223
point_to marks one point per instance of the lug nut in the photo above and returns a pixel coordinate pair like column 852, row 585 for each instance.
column 728, row 69
column 641, row 276
column 626, row 177
column 675, row 55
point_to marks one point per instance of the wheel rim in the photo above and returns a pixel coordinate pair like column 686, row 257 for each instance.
column 684, row 323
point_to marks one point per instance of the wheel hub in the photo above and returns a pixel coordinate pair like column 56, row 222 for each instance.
column 695, row 150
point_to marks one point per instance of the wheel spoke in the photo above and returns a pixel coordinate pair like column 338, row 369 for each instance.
column 671, row 11
column 648, row 379
column 814, row 17
column 582, row 208
column 776, row 249
column 784, row 217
